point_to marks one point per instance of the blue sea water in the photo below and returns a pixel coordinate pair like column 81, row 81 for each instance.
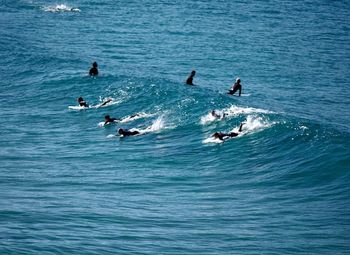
column 68, row 186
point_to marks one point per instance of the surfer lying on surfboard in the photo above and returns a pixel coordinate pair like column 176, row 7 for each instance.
column 125, row 132
column 218, row 115
column 222, row 136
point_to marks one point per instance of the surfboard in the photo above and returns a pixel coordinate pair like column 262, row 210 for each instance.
column 77, row 107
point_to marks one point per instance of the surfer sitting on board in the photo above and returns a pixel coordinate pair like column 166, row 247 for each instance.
column 235, row 87
column 125, row 132
column 189, row 80
column 93, row 71
column 82, row 103
column 108, row 120
column 221, row 136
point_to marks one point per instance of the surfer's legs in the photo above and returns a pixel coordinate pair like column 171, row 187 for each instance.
column 232, row 91
column 106, row 102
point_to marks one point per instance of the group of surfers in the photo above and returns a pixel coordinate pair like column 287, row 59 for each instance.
column 189, row 81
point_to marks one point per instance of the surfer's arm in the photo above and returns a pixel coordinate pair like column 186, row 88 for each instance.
column 240, row 127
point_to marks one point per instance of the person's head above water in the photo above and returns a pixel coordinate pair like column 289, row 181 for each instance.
column 120, row 131
column 94, row 64
column 107, row 117
column 216, row 135
column 193, row 72
column 80, row 99
column 238, row 80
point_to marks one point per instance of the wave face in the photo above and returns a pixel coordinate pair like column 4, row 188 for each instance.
column 70, row 185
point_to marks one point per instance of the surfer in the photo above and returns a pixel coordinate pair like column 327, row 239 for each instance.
column 221, row 136
column 218, row 115
column 189, row 80
column 125, row 132
column 235, row 87
column 82, row 103
column 93, row 71
column 109, row 120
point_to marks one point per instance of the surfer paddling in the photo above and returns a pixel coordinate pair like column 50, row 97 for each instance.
column 125, row 132
column 222, row 136
column 218, row 115
column 82, row 103
column 236, row 86
column 189, row 80
column 93, row 71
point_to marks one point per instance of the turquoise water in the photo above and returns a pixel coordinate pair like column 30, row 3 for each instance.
column 69, row 186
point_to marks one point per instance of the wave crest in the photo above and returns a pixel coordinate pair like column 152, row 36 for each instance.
column 60, row 8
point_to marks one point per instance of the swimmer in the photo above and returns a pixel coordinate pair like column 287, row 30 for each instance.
column 189, row 80
column 93, row 71
column 218, row 115
column 82, row 102
column 109, row 120
column 125, row 132
column 235, row 87
column 221, row 136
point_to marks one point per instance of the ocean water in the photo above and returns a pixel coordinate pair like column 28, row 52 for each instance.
column 70, row 186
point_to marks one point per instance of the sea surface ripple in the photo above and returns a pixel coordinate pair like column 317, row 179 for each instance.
column 68, row 186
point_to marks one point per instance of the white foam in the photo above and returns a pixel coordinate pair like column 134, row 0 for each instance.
column 212, row 140
column 157, row 125
column 231, row 112
column 127, row 119
column 253, row 124
column 60, row 8
column 210, row 118
column 136, row 117
column 236, row 110
column 111, row 136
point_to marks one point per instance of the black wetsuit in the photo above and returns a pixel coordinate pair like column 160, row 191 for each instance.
column 129, row 133
column 236, row 87
column 93, row 71
column 189, row 80
column 110, row 120
column 221, row 136
column 83, row 103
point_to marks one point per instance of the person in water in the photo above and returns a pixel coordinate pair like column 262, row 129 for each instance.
column 82, row 102
column 218, row 115
column 189, row 80
column 125, row 132
column 93, row 71
column 109, row 120
column 235, row 87
column 221, row 136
